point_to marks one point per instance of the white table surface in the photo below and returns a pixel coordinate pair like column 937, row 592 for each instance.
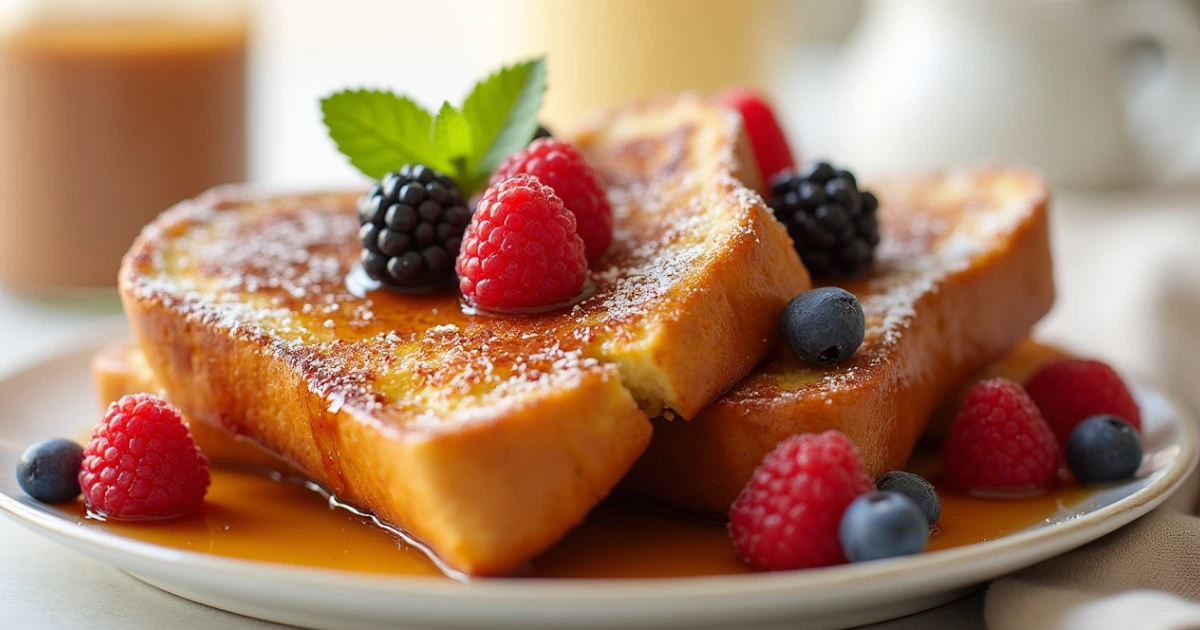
column 1117, row 256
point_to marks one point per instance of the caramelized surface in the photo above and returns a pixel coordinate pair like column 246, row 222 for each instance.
column 272, row 270
column 487, row 438
column 931, row 227
column 963, row 273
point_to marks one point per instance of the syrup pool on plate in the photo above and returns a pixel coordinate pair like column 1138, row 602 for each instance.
column 252, row 513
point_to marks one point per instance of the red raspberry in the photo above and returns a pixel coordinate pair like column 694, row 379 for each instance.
column 560, row 166
column 521, row 249
column 767, row 139
column 787, row 516
column 999, row 441
column 1069, row 391
column 142, row 463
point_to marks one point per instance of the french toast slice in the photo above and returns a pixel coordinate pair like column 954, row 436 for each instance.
column 962, row 273
column 120, row 368
column 487, row 438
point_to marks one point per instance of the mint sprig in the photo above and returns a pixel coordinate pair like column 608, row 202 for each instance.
column 452, row 139
column 380, row 131
column 503, row 111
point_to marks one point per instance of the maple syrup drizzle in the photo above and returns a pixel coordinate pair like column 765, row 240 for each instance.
column 255, row 513
column 588, row 290
column 362, row 286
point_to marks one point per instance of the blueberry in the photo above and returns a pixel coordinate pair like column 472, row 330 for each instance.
column 49, row 471
column 882, row 525
column 1103, row 448
column 916, row 488
column 824, row 326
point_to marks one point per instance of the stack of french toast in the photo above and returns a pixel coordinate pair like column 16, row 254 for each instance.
column 488, row 438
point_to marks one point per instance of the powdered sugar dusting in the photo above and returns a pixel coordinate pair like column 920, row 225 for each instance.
column 931, row 231
column 673, row 223
column 271, row 271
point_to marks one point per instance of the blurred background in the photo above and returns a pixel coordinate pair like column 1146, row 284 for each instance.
column 111, row 110
column 1098, row 94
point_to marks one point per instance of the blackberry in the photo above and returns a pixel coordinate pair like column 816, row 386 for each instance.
column 412, row 228
column 832, row 224
column 916, row 488
column 542, row 132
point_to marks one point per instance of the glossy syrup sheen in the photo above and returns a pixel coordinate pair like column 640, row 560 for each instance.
column 272, row 518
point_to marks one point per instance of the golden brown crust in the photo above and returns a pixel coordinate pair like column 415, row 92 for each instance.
column 732, row 265
column 487, row 496
column 487, row 438
column 964, row 272
column 120, row 368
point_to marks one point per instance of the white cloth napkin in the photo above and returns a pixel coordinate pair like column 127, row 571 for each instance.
column 1146, row 576
column 1013, row 603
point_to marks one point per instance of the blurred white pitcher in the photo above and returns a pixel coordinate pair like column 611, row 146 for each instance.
column 1095, row 94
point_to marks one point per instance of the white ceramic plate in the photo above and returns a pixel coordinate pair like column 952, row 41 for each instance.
column 55, row 398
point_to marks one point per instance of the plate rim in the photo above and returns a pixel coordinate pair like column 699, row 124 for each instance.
column 935, row 565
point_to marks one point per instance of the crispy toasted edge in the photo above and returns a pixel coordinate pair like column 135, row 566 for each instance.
column 988, row 308
column 557, row 455
column 120, row 368
column 718, row 326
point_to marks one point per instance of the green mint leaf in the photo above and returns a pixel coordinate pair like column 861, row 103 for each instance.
column 502, row 111
column 452, row 139
column 379, row 131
